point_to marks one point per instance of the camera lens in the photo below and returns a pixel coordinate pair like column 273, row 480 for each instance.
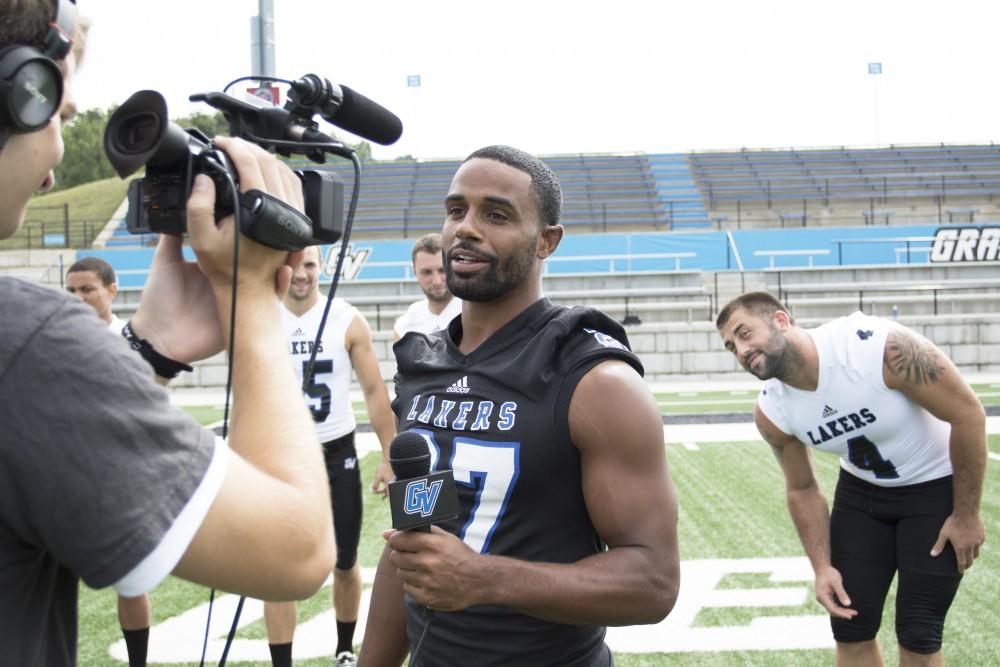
column 138, row 133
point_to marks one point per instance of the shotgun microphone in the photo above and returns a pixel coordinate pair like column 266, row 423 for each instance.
column 347, row 109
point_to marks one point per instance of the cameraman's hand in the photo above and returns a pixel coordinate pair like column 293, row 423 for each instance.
column 178, row 313
column 261, row 269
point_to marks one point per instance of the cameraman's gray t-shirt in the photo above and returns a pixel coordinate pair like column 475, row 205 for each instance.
column 95, row 466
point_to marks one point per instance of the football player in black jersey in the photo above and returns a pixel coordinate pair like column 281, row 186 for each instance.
column 568, row 516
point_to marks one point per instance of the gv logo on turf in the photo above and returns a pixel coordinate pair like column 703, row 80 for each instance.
column 421, row 498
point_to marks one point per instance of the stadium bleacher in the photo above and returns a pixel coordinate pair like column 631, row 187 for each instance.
column 869, row 186
column 601, row 193
column 703, row 190
column 661, row 241
column 844, row 173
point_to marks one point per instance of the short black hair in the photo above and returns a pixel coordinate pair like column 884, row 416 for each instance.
column 760, row 304
column 544, row 183
column 98, row 266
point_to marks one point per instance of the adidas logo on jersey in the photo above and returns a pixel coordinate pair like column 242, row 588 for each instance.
column 865, row 335
column 828, row 411
column 459, row 386
column 834, row 428
column 299, row 332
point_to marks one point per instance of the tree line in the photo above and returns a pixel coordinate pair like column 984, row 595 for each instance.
column 84, row 160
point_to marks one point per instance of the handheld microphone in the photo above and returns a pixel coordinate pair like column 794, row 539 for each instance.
column 347, row 109
column 418, row 498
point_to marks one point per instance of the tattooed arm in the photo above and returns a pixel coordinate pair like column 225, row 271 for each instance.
column 916, row 367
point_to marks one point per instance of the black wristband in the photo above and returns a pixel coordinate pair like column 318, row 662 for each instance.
column 162, row 366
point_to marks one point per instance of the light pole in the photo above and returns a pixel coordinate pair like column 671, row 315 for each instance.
column 875, row 69
column 262, row 50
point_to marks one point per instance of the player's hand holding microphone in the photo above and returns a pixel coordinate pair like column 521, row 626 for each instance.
column 433, row 564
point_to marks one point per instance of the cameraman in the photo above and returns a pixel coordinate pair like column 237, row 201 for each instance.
column 99, row 478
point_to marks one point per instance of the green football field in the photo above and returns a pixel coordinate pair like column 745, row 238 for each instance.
column 731, row 507
column 742, row 400
column 670, row 403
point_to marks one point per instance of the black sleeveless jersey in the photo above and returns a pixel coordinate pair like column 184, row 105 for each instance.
column 498, row 418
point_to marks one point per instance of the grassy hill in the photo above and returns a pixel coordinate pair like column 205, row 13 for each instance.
column 88, row 206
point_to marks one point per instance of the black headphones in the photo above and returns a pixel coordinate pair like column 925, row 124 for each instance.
column 31, row 83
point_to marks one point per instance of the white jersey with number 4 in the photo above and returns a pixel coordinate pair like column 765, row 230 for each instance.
column 880, row 435
column 328, row 395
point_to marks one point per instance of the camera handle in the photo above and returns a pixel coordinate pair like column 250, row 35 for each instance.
column 271, row 222
column 273, row 127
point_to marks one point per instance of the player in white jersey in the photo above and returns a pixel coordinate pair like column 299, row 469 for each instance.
column 911, row 436
column 439, row 307
column 346, row 344
column 93, row 281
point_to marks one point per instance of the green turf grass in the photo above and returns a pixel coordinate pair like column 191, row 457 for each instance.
column 707, row 402
column 205, row 414
column 731, row 498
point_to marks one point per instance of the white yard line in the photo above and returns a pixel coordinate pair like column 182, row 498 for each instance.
column 177, row 639
column 710, row 401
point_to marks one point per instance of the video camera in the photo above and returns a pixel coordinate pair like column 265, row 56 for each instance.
column 140, row 133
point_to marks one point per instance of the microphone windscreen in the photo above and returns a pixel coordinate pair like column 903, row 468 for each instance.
column 409, row 455
column 367, row 119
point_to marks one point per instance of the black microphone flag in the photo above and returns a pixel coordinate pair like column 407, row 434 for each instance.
column 418, row 498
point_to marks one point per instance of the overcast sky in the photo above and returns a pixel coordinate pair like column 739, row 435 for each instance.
column 552, row 76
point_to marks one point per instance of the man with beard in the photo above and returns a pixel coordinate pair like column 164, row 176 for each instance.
column 345, row 344
column 568, row 517
column 912, row 440
column 439, row 307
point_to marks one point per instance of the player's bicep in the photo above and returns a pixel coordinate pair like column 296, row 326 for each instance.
column 626, row 482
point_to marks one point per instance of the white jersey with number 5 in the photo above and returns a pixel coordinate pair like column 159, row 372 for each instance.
column 328, row 395
column 880, row 435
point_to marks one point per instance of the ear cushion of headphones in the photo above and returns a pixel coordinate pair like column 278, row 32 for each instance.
column 31, row 88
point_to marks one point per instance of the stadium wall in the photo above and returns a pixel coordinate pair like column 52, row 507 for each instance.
column 641, row 252
column 700, row 264
column 693, row 351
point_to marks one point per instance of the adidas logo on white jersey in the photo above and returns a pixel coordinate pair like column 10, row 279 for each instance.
column 299, row 332
column 828, row 411
column 459, row 386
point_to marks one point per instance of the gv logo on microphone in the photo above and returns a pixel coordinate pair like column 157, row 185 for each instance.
column 420, row 498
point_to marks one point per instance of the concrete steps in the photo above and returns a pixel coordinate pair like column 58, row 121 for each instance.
column 44, row 267
column 674, row 352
